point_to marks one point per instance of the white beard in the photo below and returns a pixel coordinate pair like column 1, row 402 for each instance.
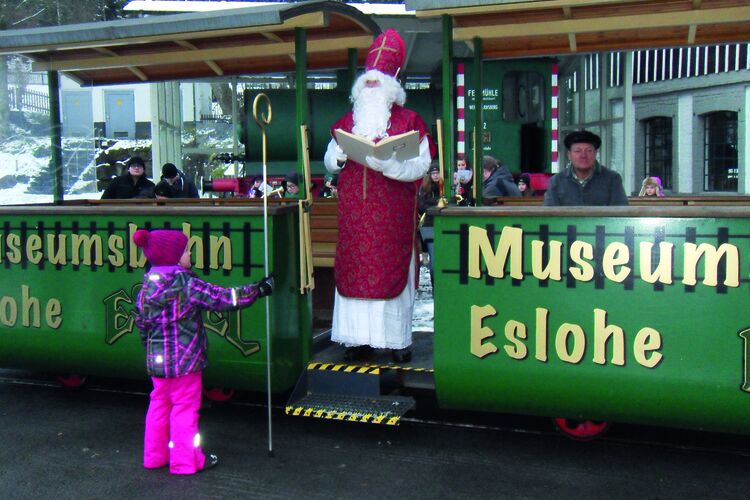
column 372, row 105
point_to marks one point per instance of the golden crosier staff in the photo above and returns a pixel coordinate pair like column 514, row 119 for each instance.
column 262, row 121
column 442, row 202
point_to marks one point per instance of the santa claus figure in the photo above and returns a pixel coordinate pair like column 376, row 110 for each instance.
column 376, row 265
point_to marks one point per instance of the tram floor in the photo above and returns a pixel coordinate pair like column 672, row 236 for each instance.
column 63, row 444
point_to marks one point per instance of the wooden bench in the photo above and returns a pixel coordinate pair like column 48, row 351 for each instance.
column 324, row 231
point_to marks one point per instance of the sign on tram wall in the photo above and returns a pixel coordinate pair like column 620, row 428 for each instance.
column 69, row 286
column 633, row 319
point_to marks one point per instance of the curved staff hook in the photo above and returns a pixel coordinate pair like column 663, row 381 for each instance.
column 262, row 121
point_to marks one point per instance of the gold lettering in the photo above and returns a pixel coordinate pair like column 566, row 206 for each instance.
column 561, row 343
column 137, row 259
column 53, row 313
column 712, row 255
column 116, row 246
column 8, row 311
column 56, row 257
column 27, row 302
column 663, row 272
column 13, row 243
column 553, row 270
column 541, row 334
column 580, row 250
column 515, row 330
column 218, row 244
column 33, row 245
column 511, row 243
column 602, row 333
column 647, row 340
column 616, row 254
column 86, row 242
column 195, row 245
column 479, row 332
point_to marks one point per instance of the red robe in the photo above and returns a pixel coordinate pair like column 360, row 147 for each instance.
column 377, row 220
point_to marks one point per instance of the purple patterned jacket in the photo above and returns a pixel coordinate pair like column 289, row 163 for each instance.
column 169, row 316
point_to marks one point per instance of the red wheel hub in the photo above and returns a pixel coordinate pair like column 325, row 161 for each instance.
column 581, row 429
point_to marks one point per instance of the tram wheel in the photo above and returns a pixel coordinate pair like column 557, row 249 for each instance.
column 582, row 430
column 71, row 380
column 218, row 394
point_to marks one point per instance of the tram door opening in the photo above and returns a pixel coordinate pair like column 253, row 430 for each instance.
column 525, row 102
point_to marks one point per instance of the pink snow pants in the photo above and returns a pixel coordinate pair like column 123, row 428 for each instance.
column 172, row 425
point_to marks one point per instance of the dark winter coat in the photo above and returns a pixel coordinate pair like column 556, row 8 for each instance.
column 500, row 183
column 184, row 187
column 426, row 200
column 122, row 187
column 603, row 188
column 169, row 308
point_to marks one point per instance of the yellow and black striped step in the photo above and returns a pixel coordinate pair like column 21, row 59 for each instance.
column 385, row 410
column 366, row 368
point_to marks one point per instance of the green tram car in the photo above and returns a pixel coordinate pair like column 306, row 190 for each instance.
column 586, row 315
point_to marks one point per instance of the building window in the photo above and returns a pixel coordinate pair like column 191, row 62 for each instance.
column 720, row 165
column 658, row 160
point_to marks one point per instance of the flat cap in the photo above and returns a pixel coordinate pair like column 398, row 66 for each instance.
column 582, row 136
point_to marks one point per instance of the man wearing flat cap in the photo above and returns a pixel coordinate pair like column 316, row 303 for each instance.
column 585, row 181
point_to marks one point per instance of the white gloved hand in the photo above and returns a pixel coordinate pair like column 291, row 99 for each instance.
column 384, row 166
column 339, row 154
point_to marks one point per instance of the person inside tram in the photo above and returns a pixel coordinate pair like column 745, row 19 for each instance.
column 585, row 181
column 291, row 185
column 524, row 185
column 462, row 183
column 182, row 187
column 329, row 186
column 132, row 184
column 169, row 312
column 429, row 196
column 498, row 181
column 651, row 187
column 163, row 190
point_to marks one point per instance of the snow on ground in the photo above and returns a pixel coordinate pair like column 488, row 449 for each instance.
column 424, row 305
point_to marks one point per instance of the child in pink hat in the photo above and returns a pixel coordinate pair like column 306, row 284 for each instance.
column 169, row 310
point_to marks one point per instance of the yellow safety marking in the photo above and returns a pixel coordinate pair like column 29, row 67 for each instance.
column 366, row 417
column 319, row 413
column 341, row 415
column 308, row 412
column 392, row 420
column 378, row 419
column 353, row 417
column 297, row 411
column 288, row 409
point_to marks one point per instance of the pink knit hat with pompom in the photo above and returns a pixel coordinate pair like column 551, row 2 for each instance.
column 162, row 247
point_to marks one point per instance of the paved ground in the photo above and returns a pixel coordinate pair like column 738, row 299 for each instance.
column 58, row 444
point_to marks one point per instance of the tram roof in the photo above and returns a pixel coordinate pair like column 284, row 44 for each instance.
column 248, row 40
column 510, row 28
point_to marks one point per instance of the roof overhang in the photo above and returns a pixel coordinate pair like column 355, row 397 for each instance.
column 535, row 27
column 249, row 40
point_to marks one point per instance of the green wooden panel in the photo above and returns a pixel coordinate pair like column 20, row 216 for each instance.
column 510, row 339
column 69, row 282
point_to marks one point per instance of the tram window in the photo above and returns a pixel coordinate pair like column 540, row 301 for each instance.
column 720, row 158
column 523, row 96
column 658, row 160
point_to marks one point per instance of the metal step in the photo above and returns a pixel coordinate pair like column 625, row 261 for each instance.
column 386, row 410
column 345, row 392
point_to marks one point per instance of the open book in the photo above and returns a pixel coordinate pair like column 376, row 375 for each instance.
column 357, row 148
